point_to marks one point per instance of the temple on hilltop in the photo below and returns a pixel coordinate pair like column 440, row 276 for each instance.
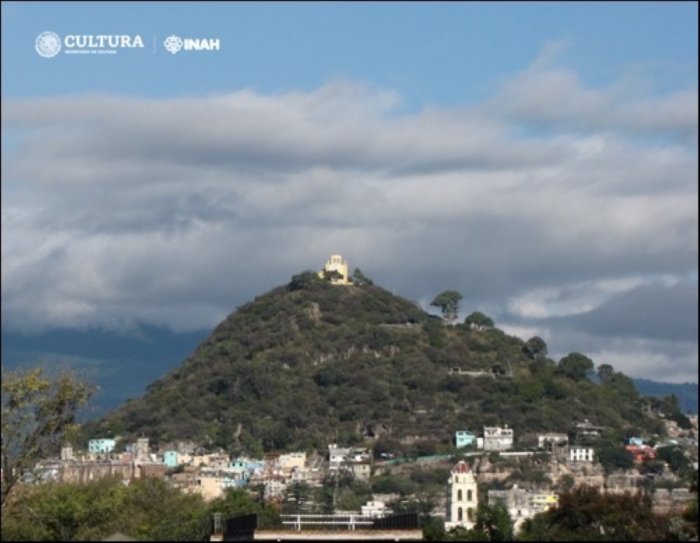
column 463, row 497
column 337, row 264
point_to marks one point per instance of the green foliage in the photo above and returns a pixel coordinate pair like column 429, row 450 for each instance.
column 448, row 302
column 393, row 484
column 147, row 509
column 494, row 522
column 586, row 515
column 574, row 366
column 535, row 348
column 613, row 457
column 38, row 414
column 360, row 279
column 311, row 363
column 478, row 321
column 674, row 457
column 237, row 502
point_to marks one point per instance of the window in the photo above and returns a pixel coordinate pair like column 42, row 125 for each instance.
column 459, row 514
column 469, row 495
column 459, row 495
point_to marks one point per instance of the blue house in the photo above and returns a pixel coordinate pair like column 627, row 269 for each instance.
column 638, row 441
column 464, row 438
column 170, row 459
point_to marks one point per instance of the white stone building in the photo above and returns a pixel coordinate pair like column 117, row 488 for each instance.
column 497, row 438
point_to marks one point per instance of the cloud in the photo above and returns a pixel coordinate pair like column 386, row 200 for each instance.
column 547, row 94
column 175, row 211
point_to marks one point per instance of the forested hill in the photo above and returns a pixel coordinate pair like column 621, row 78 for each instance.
column 310, row 363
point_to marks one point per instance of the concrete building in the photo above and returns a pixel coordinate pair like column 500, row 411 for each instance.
column 552, row 442
column 170, row 459
column 101, row 445
column 337, row 456
column 463, row 497
column 336, row 263
column 522, row 504
column 497, row 438
column 142, row 450
column 464, row 438
column 581, row 454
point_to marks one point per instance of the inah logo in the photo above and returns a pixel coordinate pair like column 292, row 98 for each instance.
column 172, row 44
column 47, row 44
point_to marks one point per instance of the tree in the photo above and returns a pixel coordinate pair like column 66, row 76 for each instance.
column 148, row 509
column 478, row 321
column 584, row 514
column 237, row 502
column 448, row 302
column 614, row 457
column 38, row 414
column 360, row 279
column 575, row 366
column 494, row 521
column 332, row 275
column 303, row 280
column 605, row 372
column 535, row 348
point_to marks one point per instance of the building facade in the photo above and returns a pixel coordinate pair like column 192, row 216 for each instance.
column 581, row 454
column 463, row 497
column 336, row 263
column 101, row 445
column 497, row 438
column 464, row 438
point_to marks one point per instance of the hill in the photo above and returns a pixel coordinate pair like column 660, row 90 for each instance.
column 310, row 363
column 687, row 393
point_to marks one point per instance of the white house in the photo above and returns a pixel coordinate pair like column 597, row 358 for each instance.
column 497, row 438
column 581, row 454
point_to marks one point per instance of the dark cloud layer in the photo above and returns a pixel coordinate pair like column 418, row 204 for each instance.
column 175, row 211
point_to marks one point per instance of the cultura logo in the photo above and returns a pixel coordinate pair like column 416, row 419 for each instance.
column 48, row 44
column 172, row 44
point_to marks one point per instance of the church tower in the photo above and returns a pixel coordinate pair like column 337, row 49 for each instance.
column 463, row 497
column 336, row 263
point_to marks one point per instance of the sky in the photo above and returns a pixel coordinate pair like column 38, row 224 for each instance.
column 540, row 158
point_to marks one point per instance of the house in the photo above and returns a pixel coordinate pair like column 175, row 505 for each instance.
column 337, row 264
column 637, row 441
column 463, row 497
column 641, row 453
column 552, row 442
column 361, row 470
column 522, row 504
column 101, row 445
column 287, row 462
column 581, row 454
column 337, row 456
column 464, row 438
column 587, row 431
column 170, row 459
column 375, row 509
column 497, row 438
column 515, row 500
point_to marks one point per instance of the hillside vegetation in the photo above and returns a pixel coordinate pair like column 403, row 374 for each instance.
column 310, row 363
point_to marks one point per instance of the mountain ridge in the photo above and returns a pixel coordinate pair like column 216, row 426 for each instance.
column 310, row 363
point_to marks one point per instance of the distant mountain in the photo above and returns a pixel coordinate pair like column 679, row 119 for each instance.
column 119, row 364
column 310, row 363
column 687, row 393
